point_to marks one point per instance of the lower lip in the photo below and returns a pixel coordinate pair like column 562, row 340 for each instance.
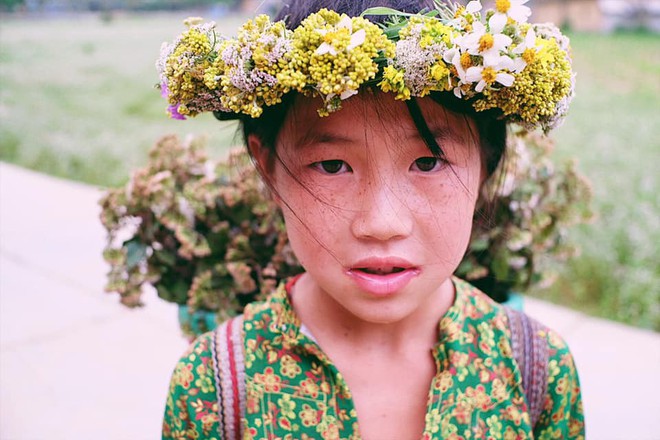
column 382, row 285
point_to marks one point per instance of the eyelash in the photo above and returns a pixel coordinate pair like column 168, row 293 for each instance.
column 336, row 166
column 322, row 166
column 438, row 164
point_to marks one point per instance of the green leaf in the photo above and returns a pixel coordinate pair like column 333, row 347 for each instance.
column 500, row 265
column 479, row 244
column 176, row 292
column 392, row 32
column 166, row 258
column 381, row 10
column 136, row 252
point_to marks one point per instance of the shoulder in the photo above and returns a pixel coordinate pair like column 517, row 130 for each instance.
column 193, row 374
column 562, row 373
column 541, row 338
column 478, row 310
column 550, row 378
column 191, row 407
column 562, row 413
column 198, row 356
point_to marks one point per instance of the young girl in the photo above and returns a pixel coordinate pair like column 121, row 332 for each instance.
column 375, row 136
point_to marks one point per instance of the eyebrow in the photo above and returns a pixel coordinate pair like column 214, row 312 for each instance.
column 443, row 136
column 443, row 133
column 313, row 138
column 310, row 138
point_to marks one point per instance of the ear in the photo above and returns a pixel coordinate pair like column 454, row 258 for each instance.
column 261, row 156
column 264, row 162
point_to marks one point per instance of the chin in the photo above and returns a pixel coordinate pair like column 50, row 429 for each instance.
column 381, row 312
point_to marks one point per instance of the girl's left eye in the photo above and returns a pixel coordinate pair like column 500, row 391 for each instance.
column 332, row 166
column 426, row 164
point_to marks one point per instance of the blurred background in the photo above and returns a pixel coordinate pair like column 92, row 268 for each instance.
column 78, row 101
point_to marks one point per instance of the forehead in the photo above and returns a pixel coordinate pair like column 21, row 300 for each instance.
column 372, row 115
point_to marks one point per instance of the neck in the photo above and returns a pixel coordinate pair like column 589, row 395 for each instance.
column 335, row 326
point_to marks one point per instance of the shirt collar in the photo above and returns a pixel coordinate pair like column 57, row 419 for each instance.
column 460, row 324
column 452, row 326
column 285, row 321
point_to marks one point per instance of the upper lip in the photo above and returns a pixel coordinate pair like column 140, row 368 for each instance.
column 382, row 263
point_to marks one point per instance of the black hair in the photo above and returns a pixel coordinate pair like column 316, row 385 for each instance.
column 491, row 129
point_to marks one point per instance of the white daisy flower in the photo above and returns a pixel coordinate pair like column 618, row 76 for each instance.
column 525, row 51
column 483, row 43
column 473, row 7
column 357, row 38
column 343, row 95
column 505, row 9
column 461, row 22
column 453, row 56
column 489, row 74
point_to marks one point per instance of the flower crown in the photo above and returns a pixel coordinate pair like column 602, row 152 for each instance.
column 494, row 60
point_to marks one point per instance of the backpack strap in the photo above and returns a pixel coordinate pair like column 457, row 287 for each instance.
column 229, row 369
column 530, row 350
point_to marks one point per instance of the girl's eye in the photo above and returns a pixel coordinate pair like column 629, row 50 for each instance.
column 426, row 164
column 332, row 166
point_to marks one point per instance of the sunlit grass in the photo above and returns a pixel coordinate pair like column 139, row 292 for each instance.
column 613, row 131
column 77, row 100
column 78, row 97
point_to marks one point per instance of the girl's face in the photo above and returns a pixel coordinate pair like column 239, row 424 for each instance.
column 378, row 223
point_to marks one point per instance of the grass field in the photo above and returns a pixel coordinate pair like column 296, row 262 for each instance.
column 613, row 130
column 78, row 97
column 77, row 100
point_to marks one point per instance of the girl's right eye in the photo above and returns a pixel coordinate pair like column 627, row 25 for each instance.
column 332, row 166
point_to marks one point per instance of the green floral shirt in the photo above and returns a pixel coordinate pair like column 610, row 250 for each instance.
column 295, row 392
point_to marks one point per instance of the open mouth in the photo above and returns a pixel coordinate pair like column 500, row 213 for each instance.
column 383, row 278
column 380, row 270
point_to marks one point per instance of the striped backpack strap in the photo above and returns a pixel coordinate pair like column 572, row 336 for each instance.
column 530, row 350
column 229, row 369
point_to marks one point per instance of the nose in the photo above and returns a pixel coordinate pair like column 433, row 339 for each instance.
column 382, row 212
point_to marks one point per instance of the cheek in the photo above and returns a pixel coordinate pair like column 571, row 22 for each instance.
column 447, row 218
column 311, row 223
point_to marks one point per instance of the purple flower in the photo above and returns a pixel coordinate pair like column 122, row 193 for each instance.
column 173, row 110
column 164, row 91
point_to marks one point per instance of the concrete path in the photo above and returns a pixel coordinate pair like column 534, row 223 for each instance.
column 74, row 364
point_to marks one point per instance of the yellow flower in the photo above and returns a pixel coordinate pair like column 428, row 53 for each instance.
column 246, row 68
column 333, row 55
column 494, row 59
column 419, row 66
column 393, row 82
column 439, row 72
column 508, row 11
column 537, row 91
column 338, row 36
column 184, row 68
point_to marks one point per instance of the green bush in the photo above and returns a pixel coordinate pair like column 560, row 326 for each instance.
column 205, row 233
column 202, row 232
